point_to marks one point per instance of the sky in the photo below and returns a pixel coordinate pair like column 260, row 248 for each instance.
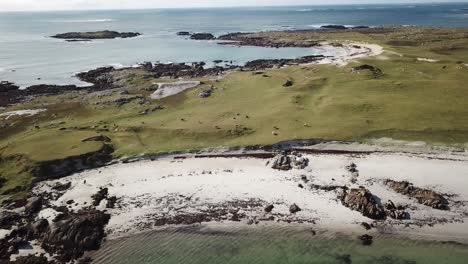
column 37, row 5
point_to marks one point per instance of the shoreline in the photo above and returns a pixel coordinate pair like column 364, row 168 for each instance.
column 200, row 169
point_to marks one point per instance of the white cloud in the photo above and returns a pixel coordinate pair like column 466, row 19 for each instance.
column 8, row 5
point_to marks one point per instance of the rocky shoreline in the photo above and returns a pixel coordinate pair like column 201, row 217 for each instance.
column 71, row 215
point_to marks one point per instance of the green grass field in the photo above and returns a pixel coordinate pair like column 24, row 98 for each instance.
column 413, row 100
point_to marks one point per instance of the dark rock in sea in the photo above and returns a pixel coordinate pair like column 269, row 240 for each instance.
column 366, row 226
column 217, row 61
column 366, row 240
column 202, row 36
column 75, row 234
column 294, row 208
column 8, row 219
column 31, row 259
column 288, row 83
column 423, row 196
column 363, row 201
column 333, row 27
column 106, row 34
column 269, row 208
column 183, row 33
column 343, row 259
column 99, row 196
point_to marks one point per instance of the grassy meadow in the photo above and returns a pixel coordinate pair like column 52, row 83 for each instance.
column 413, row 100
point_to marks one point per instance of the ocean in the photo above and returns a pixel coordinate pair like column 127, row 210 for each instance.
column 29, row 56
column 272, row 245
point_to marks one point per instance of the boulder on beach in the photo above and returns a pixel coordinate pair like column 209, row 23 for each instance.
column 423, row 196
column 286, row 162
column 363, row 201
column 294, row 208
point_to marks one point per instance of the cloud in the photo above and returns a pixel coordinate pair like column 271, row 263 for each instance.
column 9, row 5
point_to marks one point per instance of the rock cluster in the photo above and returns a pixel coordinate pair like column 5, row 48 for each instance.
column 423, row 196
column 284, row 161
column 262, row 64
column 76, row 233
column 250, row 39
column 395, row 212
column 363, row 201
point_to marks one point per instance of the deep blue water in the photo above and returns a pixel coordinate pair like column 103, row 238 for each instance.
column 26, row 53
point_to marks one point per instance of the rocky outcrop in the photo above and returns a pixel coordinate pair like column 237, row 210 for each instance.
column 294, row 208
column 257, row 65
column 423, row 196
column 8, row 219
column 252, row 39
column 33, row 205
column 100, row 77
column 202, row 36
column 285, row 162
column 395, row 212
column 106, row 34
column 363, row 201
column 269, row 208
column 31, row 259
column 99, row 196
column 288, row 83
column 75, row 234
column 63, row 167
column 7, row 87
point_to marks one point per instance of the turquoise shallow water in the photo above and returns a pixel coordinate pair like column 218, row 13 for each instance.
column 258, row 245
column 26, row 53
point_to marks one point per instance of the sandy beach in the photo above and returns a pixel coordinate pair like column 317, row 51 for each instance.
column 150, row 192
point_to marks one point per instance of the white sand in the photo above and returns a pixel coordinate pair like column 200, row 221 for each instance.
column 150, row 189
column 427, row 60
column 351, row 52
column 168, row 89
column 27, row 112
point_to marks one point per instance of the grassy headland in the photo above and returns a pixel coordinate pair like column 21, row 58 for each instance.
column 412, row 100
